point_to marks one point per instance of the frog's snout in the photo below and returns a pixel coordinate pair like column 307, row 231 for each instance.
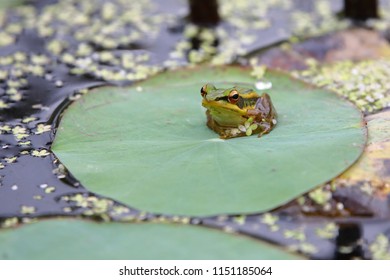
column 203, row 91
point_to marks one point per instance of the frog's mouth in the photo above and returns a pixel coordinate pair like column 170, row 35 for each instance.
column 220, row 105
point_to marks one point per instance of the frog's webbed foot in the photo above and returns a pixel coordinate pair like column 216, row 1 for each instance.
column 264, row 127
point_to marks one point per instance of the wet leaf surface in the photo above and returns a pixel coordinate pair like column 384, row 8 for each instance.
column 352, row 44
column 373, row 166
column 164, row 159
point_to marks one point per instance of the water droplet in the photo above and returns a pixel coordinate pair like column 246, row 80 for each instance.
column 263, row 84
column 215, row 140
column 59, row 83
column 48, row 76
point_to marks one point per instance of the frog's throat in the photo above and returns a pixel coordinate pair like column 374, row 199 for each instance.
column 226, row 116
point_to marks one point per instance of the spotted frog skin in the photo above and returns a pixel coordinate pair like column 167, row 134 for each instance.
column 234, row 112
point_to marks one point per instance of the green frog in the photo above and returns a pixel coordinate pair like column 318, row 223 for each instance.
column 236, row 111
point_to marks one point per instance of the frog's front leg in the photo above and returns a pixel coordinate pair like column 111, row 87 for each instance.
column 264, row 127
column 262, row 108
column 264, row 105
column 263, row 114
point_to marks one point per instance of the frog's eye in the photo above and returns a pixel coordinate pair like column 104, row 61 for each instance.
column 233, row 96
column 207, row 88
column 203, row 91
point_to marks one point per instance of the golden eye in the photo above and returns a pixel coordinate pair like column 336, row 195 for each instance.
column 233, row 96
column 203, row 91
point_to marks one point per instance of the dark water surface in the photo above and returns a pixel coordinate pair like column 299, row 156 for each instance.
column 35, row 184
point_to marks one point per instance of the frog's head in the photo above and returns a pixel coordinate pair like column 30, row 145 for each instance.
column 210, row 93
column 228, row 106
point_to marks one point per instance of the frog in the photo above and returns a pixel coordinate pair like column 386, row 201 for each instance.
column 238, row 111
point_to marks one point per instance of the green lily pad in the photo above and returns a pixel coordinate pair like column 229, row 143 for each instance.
column 148, row 145
column 73, row 239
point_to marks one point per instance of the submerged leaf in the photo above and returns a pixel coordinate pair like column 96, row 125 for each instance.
column 66, row 239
